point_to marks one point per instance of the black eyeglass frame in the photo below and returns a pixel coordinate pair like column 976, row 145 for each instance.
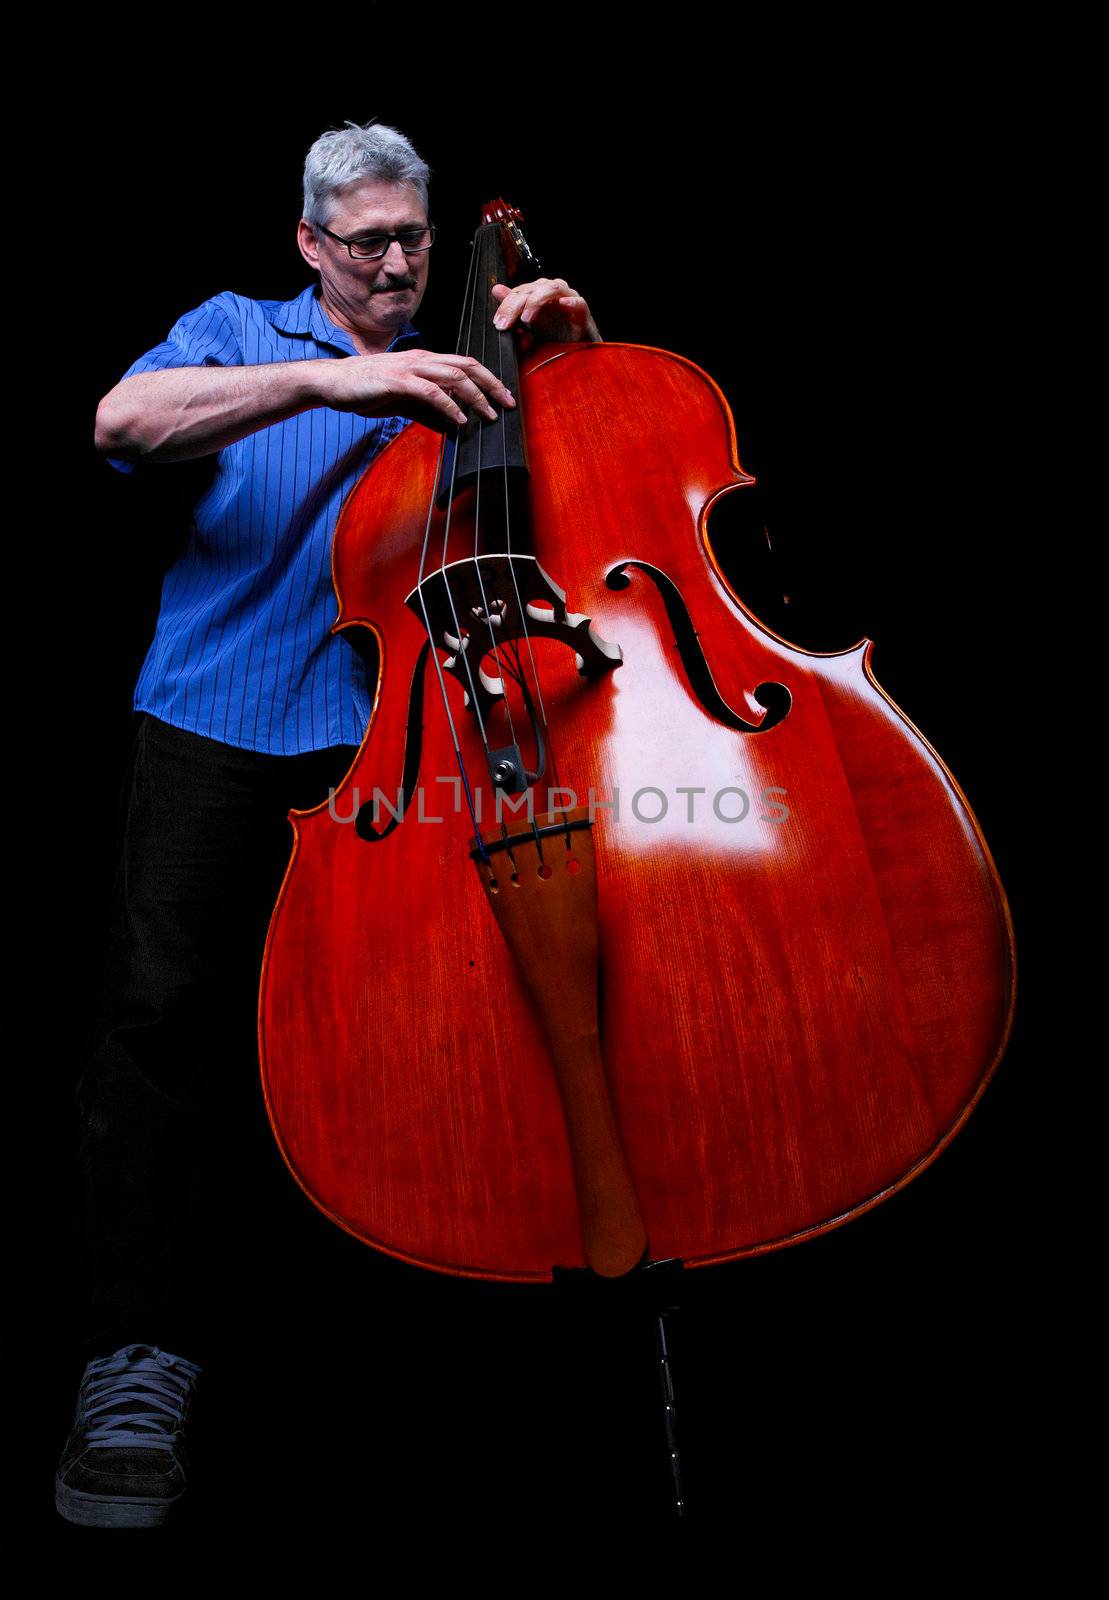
column 390, row 238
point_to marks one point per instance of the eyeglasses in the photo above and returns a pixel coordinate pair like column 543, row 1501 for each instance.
column 372, row 246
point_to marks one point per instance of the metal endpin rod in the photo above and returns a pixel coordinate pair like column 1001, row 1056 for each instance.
column 669, row 1413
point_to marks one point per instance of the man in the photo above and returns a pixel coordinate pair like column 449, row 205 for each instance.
column 247, row 707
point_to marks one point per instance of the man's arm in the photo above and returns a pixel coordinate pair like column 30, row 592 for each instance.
column 180, row 413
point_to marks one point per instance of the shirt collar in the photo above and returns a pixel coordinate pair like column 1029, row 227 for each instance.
column 306, row 317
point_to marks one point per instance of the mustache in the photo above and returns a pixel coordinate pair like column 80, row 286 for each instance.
column 394, row 284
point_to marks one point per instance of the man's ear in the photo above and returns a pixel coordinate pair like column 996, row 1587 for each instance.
column 307, row 242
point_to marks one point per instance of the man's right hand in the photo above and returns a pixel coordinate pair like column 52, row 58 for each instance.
column 437, row 390
column 179, row 413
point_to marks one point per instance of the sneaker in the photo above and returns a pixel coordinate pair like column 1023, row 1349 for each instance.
column 124, row 1462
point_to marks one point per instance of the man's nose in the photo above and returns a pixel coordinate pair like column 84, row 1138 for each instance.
column 394, row 259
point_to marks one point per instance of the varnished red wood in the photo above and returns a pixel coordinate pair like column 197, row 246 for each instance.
column 798, row 1011
column 544, row 900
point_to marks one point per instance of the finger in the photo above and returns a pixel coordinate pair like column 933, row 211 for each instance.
column 519, row 308
column 428, row 405
column 510, row 307
column 486, row 380
column 544, row 292
column 514, row 302
column 466, row 390
column 442, row 404
column 466, row 380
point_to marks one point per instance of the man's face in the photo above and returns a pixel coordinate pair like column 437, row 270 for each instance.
column 373, row 296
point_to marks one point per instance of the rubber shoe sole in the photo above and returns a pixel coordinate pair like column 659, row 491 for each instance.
column 109, row 1511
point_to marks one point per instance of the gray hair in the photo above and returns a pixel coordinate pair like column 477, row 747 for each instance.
column 349, row 155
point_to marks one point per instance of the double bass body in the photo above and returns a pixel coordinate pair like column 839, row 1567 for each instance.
column 804, row 955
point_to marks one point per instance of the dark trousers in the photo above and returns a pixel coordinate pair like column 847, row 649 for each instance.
column 177, row 1164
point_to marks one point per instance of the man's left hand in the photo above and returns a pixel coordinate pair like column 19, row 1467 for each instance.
column 547, row 309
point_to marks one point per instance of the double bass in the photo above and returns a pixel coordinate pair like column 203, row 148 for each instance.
column 634, row 933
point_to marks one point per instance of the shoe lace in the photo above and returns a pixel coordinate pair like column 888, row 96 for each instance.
column 137, row 1397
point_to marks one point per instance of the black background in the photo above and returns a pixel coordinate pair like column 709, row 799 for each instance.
column 838, row 262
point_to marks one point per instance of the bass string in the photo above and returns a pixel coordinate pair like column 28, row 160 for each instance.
column 504, row 675
column 549, row 738
column 471, row 301
column 520, row 675
column 459, row 758
column 494, row 644
column 462, row 653
column 522, row 609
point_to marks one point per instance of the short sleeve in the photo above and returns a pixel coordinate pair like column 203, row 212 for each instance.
column 206, row 337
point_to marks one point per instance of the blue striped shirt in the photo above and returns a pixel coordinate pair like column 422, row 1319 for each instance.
column 242, row 650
